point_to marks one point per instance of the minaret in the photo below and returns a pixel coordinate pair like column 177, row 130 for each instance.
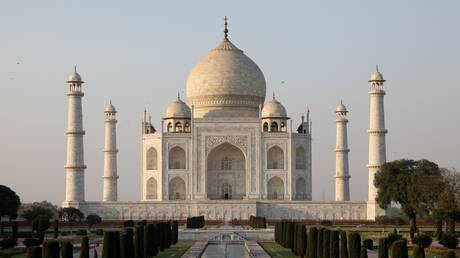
column 376, row 132
column 75, row 166
column 342, row 176
column 110, row 177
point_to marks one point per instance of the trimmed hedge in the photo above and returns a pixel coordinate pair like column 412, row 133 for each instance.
column 50, row 249
column 128, row 223
column 67, row 250
column 108, row 246
column 84, row 250
column 8, row 243
column 418, row 252
column 423, row 240
column 368, row 243
column 138, row 242
column 28, row 242
column 195, row 222
column 56, row 228
column 399, row 249
column 319, row 246
column 175, row 232
column 257, row 222
column 449, row 240
column 300, row 240
column 326, row 243
column 363, row 252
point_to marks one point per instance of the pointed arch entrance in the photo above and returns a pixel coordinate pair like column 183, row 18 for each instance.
column 226, row 173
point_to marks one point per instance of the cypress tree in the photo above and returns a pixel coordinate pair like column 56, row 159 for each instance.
column 67, row 250
column 326, row 243
column 148, row 240
column 56, row 228
column 334, row 247
column 363, row 252
column 50, row 249
column 295, row 240
column 168, row 234
column 116, row 244
column 138, row 242
column 451, row 254
column 383, row 248
column 302, row 245
column 130, row 247
column 319, row 246
column 354, row 245
column 107, row 247
column 2, row 228
column 34, row 252
column 399, row 249
column 124, row 252
column 175, row 232
column 84, row 250
column 344, row 245
column 290, row 239
column 438, row 228
column 312, row 242
column 418, row 252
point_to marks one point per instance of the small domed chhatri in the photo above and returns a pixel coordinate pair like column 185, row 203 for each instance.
column 341, row 108
column 74, row 77
column 226, row 83
column 376, row 76
column 274, row 109
column 110, row 108
column 178, row 109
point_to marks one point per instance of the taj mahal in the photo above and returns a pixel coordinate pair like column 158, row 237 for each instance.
column 224, row 151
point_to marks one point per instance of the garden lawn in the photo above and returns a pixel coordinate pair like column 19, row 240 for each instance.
column 176, row 250
column 276, row 250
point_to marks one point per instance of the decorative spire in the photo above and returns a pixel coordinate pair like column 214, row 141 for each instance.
column 226, row 29
column 178, row 95
column 377, row 68
column 75, row 68
column 273, row 95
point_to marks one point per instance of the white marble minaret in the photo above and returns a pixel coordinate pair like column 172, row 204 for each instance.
column 110, row 177
column 75, row 166
column 342, row 176
column 376, row 132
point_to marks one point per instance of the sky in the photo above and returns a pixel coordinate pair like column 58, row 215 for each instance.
column 138, row 54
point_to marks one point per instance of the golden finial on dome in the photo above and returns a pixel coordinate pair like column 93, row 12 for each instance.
column 226, row 29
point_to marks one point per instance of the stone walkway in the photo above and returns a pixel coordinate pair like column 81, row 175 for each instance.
column 196, row 250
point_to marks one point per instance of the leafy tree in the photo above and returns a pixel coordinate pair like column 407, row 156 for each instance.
column 93, row 219
column 70, row 214
column 9, row 202
column 408, row 183
column 30, row 211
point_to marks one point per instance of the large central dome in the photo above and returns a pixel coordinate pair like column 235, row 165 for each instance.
column 226, row 83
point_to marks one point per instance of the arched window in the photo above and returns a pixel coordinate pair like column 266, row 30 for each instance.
column 176, row 158
column 301, row 189
column 283, row 127
column 275, row 188
column 170, row 127
column 178, row 127
column 152, row 159
column 265, row 127
column 151, row 189
column 226, row 190
column 300, row 158
column 226, row 164
column 187, row 127
column 177, row 189
column 274, row 127
column 275, row 158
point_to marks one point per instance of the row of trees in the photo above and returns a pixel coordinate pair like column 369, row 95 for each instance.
column 421, row 188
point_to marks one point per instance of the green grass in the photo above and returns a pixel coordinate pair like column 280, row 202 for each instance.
column 176, row 250
column 276, row 250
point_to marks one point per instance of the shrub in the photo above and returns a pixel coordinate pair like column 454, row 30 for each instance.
column 108, row 245
column 175, row 232
column 130, row 233
column 50, row 249
column 67, row 250
column 257, row 222
column 116, row 244
column 56, row 228
column 383, row 248
column 138, row 242
column 334, row 247
column 418, row 252
column 142, row 223
column 34, row 252
column 300, row 240
column 326, row 243
column 28, row 242
column 14, row 230
column 81, row 232
column 124, row 252
column 343, row 245
column 93, row 219
column 84, row 250
column 451, row 254
column 354, row 245
column 149, row 245
column 128, row 223
column 326, row 222
column 312, row 242
column 99, row 232
column 195, row 222
column 449, row 240
column 422, row 240
column 8, row 243
column 368, row 243
column 363, row 252
column 399, row 249
column 391, row 238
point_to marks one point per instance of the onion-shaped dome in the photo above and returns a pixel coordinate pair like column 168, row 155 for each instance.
column 74, row 77
column 110, row 108
column 178, row 109
column 226, row 82
column 341, row 108
column 376, row 76
column 274, row 109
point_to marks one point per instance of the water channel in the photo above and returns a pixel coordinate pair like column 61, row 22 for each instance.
column 226, row 245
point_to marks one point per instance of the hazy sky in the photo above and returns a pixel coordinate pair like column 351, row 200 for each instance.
column 139, row 53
